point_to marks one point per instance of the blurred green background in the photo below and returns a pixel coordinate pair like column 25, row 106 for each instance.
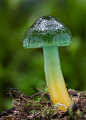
column 24, row 68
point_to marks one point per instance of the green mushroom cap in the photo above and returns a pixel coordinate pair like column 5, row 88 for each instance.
column 47, row 31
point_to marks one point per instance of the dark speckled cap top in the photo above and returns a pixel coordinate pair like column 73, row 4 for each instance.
column 47, row 31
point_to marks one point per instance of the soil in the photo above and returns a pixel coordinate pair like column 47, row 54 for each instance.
column 40, row 107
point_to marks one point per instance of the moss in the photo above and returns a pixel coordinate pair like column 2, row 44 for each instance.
column 26, row 107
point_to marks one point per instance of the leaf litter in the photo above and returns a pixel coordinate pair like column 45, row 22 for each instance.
column 40, row 107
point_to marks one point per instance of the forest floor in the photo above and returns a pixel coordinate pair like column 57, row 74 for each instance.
column 39, row 107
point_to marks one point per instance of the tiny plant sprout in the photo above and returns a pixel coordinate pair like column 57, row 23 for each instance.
column 50, row 33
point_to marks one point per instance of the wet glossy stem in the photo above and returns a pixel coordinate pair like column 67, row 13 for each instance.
column 54, row 78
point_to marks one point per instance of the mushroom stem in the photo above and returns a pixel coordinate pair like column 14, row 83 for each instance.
column 54, row 78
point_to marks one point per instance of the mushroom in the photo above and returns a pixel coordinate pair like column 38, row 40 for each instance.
column 50, row 33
